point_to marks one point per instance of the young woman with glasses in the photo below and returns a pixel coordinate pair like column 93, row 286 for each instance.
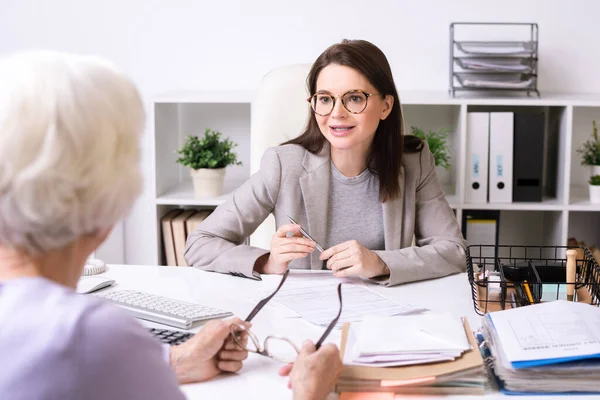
column 360, row 189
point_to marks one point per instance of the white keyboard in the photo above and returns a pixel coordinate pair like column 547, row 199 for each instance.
column 163, row 310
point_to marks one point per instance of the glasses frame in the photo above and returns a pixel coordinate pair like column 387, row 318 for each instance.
column 236, row 330
column 334, row 98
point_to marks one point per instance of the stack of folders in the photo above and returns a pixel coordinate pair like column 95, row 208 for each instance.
column 551, row 347
column 415, row 354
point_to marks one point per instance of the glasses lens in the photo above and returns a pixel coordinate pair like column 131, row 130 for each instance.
column 281, row 349
column 322, row 104
column 355, row 102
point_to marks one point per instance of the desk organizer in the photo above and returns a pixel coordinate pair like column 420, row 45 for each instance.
column 497, row 275
column 490, row 65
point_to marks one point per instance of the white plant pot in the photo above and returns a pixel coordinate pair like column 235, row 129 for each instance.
column 208, row 182
column 594, row 194
column 595, row 170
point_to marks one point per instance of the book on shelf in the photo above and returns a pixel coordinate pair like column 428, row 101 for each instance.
column 167, row 236
column 176, row 226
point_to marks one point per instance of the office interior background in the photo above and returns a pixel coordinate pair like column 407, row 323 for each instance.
column 188, row 45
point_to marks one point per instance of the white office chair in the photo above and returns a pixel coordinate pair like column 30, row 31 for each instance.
column 279, row 113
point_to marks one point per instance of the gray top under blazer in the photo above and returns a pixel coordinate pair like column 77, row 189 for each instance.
column 293, row 181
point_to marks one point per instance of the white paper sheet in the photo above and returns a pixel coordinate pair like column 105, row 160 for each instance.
column 408, row 340
column 555, row 329
column 313, row 296
column 410, row 334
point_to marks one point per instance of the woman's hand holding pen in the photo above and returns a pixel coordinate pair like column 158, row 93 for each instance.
column 284, row 249
column 351, row 258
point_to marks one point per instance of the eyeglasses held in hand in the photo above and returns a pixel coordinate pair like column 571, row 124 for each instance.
column 277, row 347
column 355, row 101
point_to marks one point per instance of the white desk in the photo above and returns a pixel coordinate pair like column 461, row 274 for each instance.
column 258, row 379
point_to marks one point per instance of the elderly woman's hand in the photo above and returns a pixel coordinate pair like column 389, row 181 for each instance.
column 208, row 353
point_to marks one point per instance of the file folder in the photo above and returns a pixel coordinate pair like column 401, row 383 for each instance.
column 445, row 377
column 482, row 227
column 501, row 157
column 528, row 161
column 478, row 126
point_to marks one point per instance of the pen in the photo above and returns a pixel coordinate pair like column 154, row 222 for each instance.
column 528, row 292
column 306, row 235
column 513, row 300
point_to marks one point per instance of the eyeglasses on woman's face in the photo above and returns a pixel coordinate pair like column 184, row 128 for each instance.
column 276, row 347
column 354, row 101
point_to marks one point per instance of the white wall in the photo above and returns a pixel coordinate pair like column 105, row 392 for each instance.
column 192, row 44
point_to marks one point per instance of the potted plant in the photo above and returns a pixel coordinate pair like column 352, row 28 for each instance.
column 594, row 189
column 438, row 144
column 208, row 157
column 590, row 151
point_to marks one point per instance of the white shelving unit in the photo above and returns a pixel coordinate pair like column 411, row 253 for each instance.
column 563, row 213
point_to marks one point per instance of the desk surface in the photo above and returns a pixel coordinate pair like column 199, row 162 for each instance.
column 258, row 379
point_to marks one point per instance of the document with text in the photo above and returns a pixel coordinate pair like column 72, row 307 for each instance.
column 313, row 296
column 549, row 331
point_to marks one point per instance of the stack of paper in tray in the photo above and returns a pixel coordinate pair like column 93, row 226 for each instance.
column 418, row 354
column 551, row 347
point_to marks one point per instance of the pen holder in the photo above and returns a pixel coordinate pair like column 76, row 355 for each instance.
column 517, row 274
column 543, row 267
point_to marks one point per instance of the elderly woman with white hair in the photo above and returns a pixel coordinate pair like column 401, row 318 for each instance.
column 69, row 170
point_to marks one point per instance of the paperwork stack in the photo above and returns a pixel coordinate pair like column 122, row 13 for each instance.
column 417, row 354
column 551, row 347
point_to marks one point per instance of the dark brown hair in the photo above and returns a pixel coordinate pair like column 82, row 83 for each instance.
column 385, row 157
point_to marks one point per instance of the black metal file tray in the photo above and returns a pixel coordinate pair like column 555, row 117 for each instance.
column 497, row 48
column 538, row 265
column 496, row 64
column 496, row 81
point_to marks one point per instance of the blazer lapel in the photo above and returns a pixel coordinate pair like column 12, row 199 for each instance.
column 315, row 190
column 392, row 217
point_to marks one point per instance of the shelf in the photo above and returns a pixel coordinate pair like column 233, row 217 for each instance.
column 177, row 113
column 183, row 195
column 499, row 99
column 217, row 97
column 580, row 200
column 406, row 98
column 549, row 204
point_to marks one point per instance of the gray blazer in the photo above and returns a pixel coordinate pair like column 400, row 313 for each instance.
column 293, row 181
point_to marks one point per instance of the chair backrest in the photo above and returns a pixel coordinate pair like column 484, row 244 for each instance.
column 279, row 113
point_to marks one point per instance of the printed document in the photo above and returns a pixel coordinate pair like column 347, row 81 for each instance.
column 312, row 295
column 555, row 331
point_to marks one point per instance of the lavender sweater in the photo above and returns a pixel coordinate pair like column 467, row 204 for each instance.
column 56, row 344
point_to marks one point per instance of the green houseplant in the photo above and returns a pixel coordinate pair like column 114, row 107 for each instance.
column 438, row 144
column 590, row 151
column 594, row 189
column 208, row 158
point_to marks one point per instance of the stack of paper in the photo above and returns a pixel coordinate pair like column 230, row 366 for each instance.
column 406, row 340
column 463, row 375
column 551, row 347
column 495, row 64
column 497, row 48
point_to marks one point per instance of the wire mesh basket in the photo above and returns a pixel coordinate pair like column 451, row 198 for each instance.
column 508, row 276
